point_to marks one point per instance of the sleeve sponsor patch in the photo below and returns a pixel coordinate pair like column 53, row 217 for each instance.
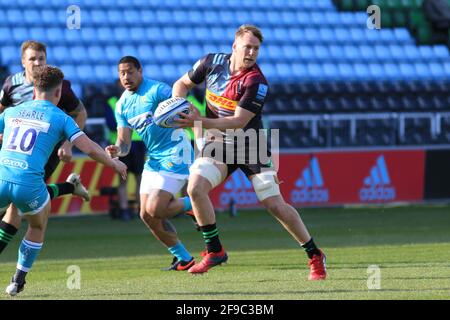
column 262, row 92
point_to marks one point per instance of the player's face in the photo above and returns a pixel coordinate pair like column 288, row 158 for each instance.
column 246, row 50
column 129, row 76
column 32, row 58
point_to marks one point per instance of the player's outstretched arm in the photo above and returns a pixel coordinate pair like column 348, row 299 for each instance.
column 96, row 152
column 123, row 143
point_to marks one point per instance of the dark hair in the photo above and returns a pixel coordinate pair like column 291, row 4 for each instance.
column 35, row 45
column 131, row 59
column 47, row 77
column 249, row 28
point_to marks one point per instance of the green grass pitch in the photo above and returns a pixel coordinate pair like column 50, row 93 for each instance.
column 118, row 260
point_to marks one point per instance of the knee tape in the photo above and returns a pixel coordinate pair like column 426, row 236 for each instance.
column 205, row 167
column 265, row 185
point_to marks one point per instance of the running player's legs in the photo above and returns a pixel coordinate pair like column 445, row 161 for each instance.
column 266, row 186
column 157, row 193
column 34, row 205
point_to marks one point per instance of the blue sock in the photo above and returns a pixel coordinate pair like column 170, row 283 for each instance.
column 28, row 252
column 180, row 252
column 187, row 204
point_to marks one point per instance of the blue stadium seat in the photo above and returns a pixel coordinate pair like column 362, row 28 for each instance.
column 396, row 51
column 362, row 71
column 88, row 35
column 38, row 34
column 392, row 70
column 96, row 53
column 290, row 52
column 403, row 35
column 104, row 34
column 212, row 16
column 296, row 34
column 437, row 69
column 15, row 17
column 9, row 55
column 331, row 71
column 145, row 53
column 72, row 36
column 70, row 72
column 79, row 54
column 426, row 52
column 422, row 70
column 121, row 35
column 326, row 35
column 337, row 52
column 312, row 35
column 161, row 52
column 195, row 52
column 202, row 34
column 407, row 70
column 129, row 50
column 321, row 52
column 99, row 16
column 20, row 34
column 138, row 35
column 112, row 54
column 315, row 71
column 170, row 72
column 132, row 17
column 5, row 35
column 178, row 53
column 61, row 54
column 152, row 70
column 85, row 74
column 103, row 73
column 115, row 17
column 352, row 52
column 441, row 52
column 306, row 52
column 346, row 70
column 148, row 16
column 153, row 34
column 32, row 17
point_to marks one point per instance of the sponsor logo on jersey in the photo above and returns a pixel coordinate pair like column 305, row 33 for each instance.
column 220, row 102
column 377, row 185
column 14, row 163
column 310, row 186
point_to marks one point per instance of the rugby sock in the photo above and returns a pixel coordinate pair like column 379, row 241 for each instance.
column 7, row 231
column 211, row 236
column 59, row 189
column 180, row 252
column 187, row 204
column 311, row 248
column 28, row 252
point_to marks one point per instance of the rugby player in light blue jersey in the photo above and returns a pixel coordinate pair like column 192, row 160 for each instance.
column 30, row 131
column 169, row 155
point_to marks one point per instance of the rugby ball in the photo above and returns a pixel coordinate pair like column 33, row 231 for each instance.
column 167, row 111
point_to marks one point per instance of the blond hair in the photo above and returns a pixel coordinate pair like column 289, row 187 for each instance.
column 35, row 45
column 249, row 28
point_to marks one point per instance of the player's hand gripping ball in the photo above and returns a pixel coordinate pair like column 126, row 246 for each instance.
column 167, row 112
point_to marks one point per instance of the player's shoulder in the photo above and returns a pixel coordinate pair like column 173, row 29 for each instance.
column 255, row 76
column 156, row 87
column 122, row 100
column 14, row 80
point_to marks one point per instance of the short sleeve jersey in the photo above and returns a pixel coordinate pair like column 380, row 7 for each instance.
column 224, row 92
column 16, row 90
column 135, row 110
column 30, row 132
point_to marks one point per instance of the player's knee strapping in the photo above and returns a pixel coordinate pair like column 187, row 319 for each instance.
column 265, row 185
column 205, row 167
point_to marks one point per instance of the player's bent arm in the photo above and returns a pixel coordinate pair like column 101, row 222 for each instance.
column 182, row 86
column 96, row 152
column 123, row 141
column 79, row 115
column 238, row 121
